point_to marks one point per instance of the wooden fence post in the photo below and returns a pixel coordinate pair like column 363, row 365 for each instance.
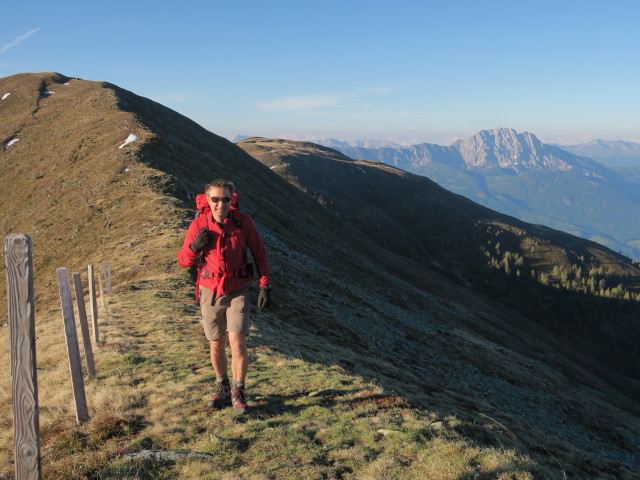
column 84, row 327
column 24, row 380
column 104, row 305
column 75, row 366
column 107, row 276
column 93, row 304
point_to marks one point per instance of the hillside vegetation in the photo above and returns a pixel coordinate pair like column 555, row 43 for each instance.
column 377, row 360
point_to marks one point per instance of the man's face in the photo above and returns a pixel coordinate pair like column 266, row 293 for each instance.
column 219, row 208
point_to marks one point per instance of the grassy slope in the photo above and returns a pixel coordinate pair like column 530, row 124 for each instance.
column 309, row 419
column 387, row 354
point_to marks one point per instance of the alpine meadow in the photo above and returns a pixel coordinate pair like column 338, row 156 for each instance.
column 414, row 332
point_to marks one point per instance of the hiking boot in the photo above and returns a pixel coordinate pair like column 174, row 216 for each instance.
column 222, row 397
column 239, row 400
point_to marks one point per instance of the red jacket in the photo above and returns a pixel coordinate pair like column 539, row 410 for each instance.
column 225, row 258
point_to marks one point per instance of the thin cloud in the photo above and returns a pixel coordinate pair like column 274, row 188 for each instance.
column 18, row 40
column 302, row 102
column 375, row 90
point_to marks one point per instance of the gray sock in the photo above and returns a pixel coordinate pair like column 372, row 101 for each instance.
column 222, row 378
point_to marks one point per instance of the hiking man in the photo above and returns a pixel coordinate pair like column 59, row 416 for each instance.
column 221, row 235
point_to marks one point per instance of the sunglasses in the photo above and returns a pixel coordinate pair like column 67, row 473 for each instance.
column 217, row 199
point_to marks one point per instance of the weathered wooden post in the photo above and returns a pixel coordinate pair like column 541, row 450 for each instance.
column 75, row 366
column 93, row 304
column 104, row 305
column 24, row 381
column 84, row 326
column 107, row 276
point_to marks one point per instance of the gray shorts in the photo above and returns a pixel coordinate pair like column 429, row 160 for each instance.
column 228, row 313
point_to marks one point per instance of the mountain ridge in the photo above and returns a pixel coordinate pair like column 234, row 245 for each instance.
column 411, row 324
column 611, row 153
column 502, row 148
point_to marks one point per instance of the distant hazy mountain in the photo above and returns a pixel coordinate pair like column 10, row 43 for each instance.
column 503, row 149
column 239, row 138
column 614, row 153
column 510, row 152
column 372, row 143
column 517, row 174
column 333, row 142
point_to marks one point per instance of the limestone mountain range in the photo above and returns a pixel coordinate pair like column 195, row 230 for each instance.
column 517, row 174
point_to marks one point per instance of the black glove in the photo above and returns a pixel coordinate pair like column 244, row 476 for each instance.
column 264, row 297
column 202, row 239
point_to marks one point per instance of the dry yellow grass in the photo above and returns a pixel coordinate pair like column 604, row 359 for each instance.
column 150, row 392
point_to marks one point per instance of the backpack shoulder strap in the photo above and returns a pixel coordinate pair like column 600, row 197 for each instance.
column 202, row 217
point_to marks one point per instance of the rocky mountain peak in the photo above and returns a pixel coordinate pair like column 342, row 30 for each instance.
column 504, row 148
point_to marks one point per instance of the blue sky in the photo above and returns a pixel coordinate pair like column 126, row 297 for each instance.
column 410, row 71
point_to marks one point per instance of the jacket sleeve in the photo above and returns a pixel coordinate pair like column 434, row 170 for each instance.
column 258, row 252
column 186, row 256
